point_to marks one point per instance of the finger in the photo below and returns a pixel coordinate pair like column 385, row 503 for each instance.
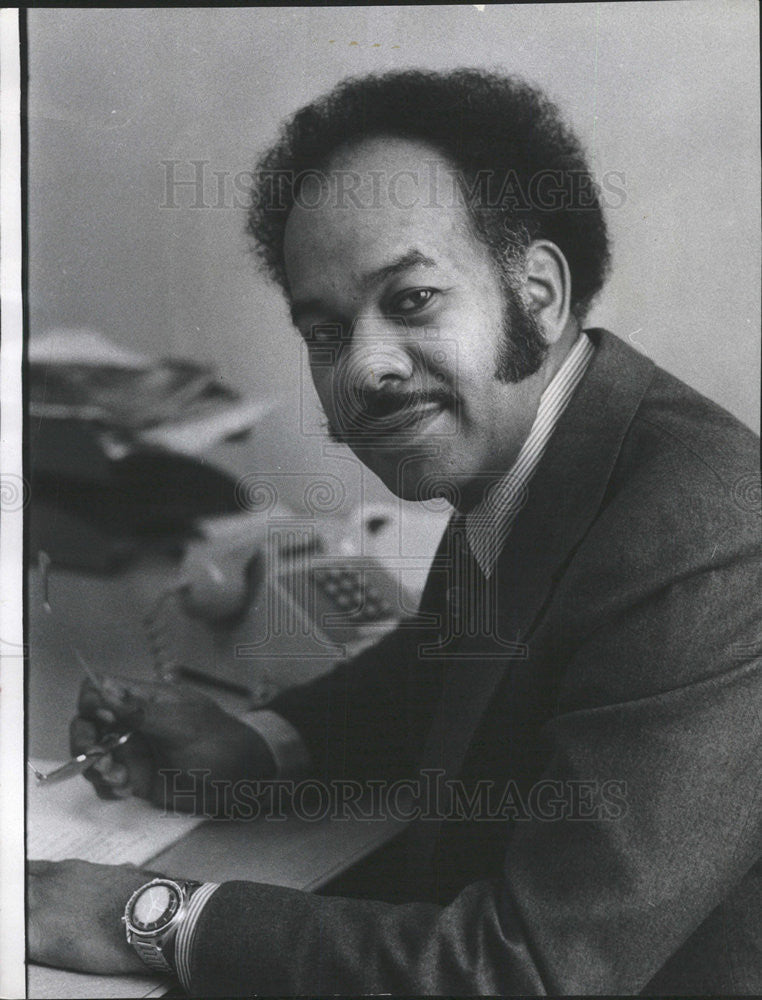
column 83, row 736
column 112, row 772
column 108, row 783
column 112, row 777
column 109, row 695
column 137, row 758
column 102, row 787
column 90, row 699
column 126, row 700
column 126, row 771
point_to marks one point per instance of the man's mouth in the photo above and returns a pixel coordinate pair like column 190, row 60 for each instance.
column 388, row 415
column 394, row 414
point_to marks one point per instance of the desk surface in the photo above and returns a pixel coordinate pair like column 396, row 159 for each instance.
column 297, row 854
column 101, row 616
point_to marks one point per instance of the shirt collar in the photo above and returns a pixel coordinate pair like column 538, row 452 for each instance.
column 488, row 524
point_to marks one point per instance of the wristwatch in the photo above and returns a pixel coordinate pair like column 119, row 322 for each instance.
column 152, row 918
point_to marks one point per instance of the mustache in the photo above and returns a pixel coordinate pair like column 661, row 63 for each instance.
column 376, row 413
column 388, row 402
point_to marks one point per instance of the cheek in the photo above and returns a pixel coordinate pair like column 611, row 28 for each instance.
column 469, row 343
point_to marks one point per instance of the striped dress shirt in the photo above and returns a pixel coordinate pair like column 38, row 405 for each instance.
column 488, row 524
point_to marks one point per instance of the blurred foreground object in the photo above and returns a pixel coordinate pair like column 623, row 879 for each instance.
column 116, row 440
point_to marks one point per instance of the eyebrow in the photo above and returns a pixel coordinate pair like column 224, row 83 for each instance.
column 410, row 258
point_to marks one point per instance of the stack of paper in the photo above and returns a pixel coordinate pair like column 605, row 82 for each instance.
column 136, row 401
column 68, row 820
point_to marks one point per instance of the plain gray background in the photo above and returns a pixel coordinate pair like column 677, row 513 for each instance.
column 665, row 93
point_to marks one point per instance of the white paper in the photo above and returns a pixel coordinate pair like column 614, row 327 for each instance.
column 68, row 820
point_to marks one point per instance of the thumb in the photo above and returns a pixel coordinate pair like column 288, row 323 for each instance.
column 157, row 710
column 128, row 770
column 141, row 705
column 125, row 699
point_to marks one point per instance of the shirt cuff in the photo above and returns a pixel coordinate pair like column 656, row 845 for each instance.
column 284, row 742
column 186, row 936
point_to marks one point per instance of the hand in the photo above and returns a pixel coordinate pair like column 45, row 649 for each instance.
column 182, row 742
column 75, row 915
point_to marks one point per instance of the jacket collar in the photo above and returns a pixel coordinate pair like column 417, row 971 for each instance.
column 569, row 485
column 562, row 501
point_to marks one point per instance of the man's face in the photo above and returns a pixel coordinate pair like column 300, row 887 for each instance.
column 404, row 315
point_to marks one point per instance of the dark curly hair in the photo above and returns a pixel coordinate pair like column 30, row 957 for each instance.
column 503, row 136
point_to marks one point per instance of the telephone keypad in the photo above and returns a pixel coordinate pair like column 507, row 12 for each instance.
column 343, row 586
column 345, row 601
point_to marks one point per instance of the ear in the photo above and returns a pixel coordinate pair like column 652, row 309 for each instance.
column 548, row 288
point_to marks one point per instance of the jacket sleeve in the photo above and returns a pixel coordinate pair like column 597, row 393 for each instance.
column 592, row 906
column 369, row 714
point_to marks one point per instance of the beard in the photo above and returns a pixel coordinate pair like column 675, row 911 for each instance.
column 523, row 346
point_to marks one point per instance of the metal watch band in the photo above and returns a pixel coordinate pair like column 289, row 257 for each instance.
column 152, row 955
column 157, row 951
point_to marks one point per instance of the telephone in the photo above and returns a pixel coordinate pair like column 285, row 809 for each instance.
column 261, row 604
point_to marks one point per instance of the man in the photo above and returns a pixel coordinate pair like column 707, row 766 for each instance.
column 582, row 686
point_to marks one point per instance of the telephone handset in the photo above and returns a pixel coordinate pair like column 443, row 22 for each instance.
column 221, row 574
column 217, row 586
column 262, row 605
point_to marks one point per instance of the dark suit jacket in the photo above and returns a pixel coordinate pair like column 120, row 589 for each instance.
column 629, row 589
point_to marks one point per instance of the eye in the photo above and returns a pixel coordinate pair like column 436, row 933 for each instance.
column 414, row 300
column 324, row 333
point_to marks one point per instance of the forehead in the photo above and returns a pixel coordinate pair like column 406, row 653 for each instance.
column 377, row 200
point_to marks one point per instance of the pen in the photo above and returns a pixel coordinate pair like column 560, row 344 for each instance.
column 82, row 762
column 44, row 563
column 97, row 682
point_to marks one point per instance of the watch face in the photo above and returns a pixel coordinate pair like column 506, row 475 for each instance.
column 154, row 907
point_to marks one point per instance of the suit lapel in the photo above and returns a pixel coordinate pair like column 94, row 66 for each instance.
column 563, row 498
column 568, row 488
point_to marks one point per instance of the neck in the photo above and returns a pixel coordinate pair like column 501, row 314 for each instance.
column 557, row 354
column 532, row 388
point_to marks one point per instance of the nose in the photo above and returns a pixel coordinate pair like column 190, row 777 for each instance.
column 378, row 357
